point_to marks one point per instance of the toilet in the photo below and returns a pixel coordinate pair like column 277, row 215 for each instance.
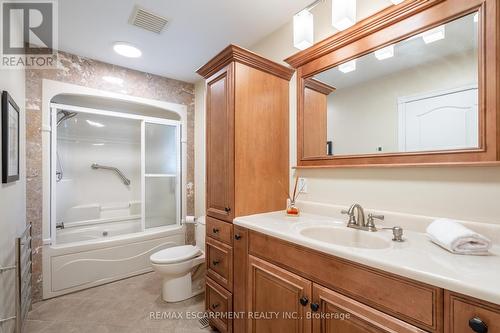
column 178, row 264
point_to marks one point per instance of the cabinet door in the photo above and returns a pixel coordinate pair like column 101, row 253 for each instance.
column 277, row 300
column 335, row 313
column 220, row 145
column 467, row 315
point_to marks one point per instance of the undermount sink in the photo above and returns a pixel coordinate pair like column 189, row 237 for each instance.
column 344, row 236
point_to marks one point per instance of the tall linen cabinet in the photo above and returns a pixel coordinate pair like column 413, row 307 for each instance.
column 247, row 166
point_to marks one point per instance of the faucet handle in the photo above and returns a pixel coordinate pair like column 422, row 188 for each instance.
column 374, row 216
column 370, row 223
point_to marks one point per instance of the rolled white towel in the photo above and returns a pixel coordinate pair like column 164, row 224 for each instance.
column 456, row 238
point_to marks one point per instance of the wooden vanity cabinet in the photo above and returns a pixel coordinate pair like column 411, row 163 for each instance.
column 247, row 164
column 247, row 134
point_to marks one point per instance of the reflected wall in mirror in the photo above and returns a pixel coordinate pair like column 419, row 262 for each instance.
column 419, row 94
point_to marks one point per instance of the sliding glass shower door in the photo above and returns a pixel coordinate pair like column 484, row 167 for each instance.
column 161, row 174
column 112, row 173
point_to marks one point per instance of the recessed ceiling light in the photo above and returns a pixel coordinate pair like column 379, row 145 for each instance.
column 98, row 144
column 113, row 80
column 94, row 123
column 348, row 66
column 127, row 50
column 434, row 35
column 385, row 53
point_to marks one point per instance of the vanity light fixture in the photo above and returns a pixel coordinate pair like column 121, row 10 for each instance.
column 434, row 35
column 347, row 67
column 303, row 29
column 127, row 50
column 94, row 123
column 113, row 80
column 343, row 14
column 385, row 53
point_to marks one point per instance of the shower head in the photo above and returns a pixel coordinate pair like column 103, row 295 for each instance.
column 66, row 115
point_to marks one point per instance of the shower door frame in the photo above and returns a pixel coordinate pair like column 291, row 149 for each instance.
column 55, row 107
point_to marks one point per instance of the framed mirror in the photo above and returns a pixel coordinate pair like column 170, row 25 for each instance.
column 413, row 91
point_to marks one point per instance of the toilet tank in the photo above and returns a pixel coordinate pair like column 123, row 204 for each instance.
column 200, row 233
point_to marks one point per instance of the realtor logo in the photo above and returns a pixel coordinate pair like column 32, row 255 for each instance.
column 29, row 34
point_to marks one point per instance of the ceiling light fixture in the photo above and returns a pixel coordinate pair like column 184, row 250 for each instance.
column 94, row 123
column 113, row 80
column 343, row 14
column 348, row 66
column 303, row 29
column 434, row 35
column 385, row 53
column 127, row 50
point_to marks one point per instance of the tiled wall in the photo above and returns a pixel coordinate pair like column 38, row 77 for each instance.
column 87, row 72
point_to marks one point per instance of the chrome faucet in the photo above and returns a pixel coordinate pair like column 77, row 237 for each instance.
column 357, row 219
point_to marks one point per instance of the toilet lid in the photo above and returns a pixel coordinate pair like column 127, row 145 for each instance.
column 175, row 254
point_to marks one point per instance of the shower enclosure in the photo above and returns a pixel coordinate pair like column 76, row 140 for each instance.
column 112, row 174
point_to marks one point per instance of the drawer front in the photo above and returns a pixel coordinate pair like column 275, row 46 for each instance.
column 220, row 263
column 459, row 310
column 219, row 230
column 338, row 313
column 218, row 303
column 408, row 300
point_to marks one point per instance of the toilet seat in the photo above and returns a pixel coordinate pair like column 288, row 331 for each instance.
column 175, row 254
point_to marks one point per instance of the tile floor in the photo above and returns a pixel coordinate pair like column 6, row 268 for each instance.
column 123, row 306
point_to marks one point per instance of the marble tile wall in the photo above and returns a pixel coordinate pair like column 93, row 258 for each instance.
column 87, row 72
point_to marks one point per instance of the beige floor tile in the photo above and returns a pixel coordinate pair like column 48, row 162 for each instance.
column 123, row 306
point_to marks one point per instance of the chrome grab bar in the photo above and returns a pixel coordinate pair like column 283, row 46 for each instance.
column 125, row 180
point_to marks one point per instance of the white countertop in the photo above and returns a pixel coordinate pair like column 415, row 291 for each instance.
column 417, row 258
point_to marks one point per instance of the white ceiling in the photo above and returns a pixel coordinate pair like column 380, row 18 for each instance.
column 197, row 30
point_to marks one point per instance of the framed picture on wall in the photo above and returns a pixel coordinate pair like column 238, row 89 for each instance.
column 10, row 139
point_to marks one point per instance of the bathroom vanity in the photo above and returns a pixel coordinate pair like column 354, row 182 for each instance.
column 416, row 84
column 382, row 286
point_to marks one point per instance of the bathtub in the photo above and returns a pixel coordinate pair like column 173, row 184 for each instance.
column 100, row 246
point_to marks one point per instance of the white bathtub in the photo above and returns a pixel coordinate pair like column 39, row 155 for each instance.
column 91, row 252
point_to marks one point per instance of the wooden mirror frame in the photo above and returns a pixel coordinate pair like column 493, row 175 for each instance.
column 389, row 26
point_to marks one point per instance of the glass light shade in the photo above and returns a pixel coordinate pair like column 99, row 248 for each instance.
column 385, row 53
column 343, row 14
column 303, row 30
column 347, row 67
column 434, row 35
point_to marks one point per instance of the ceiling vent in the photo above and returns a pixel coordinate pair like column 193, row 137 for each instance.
column 147, row 20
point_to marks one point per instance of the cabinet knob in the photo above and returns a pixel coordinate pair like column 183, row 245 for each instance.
column 215, row 262
column 227, row 209
column 314, row 307
column 477, row 325
column 215, row 230
column 237, row 237
column 303, row 301
column 215, row 306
